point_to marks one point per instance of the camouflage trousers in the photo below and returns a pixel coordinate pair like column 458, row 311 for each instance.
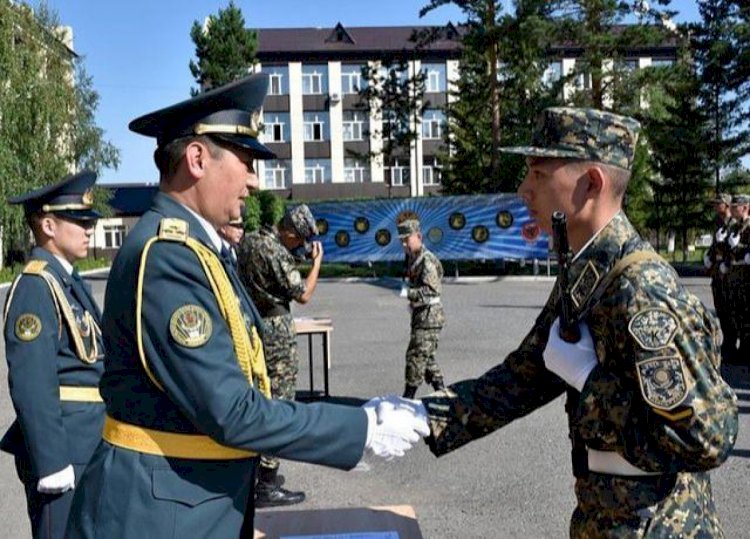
column 610, row 507
column 420, row 357
column 282, row 363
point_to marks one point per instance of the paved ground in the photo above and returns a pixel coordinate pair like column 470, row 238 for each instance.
column 514, row 483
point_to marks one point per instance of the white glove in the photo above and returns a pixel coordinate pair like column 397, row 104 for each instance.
column 747, row 258
column 707, row 260
column 404, row 291
column 393, row 428
column 721, row 234
column 573, row 362
column 733, row 240
column 58, row 482
column 723, row 268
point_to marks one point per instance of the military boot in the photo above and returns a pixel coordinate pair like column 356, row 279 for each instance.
column 409, row 391
column 268, row 491
column 438, row 385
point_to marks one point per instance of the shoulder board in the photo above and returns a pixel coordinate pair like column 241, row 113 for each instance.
column 172, row 229
column 35, row 267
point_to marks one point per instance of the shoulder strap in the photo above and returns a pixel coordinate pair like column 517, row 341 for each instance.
column 34, row 267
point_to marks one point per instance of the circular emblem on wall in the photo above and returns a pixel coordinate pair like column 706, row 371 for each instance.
column 435, row 235
column 530, row 231
column 457, row 220
column 28, row 327
column 480, row 234
column 322, row 226
column 190, row 326
column 383, row 237
column 342, row 238
column 504, row 219
column 361, row 224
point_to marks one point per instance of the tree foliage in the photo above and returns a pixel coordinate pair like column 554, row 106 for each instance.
column 224, row 48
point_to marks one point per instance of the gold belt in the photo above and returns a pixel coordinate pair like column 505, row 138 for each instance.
column 80, row 394
column 169, row 444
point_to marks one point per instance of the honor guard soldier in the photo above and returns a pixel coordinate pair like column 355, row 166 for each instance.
column 738, row 274
column 54, row 349
column 185, row 384
column 648, row 411
column 424, row 276
column 268, row 269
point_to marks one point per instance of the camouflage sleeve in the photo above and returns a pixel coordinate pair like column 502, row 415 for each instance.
column 472, row 409
column 657, row 396
column 288, row 279
column 427, row 283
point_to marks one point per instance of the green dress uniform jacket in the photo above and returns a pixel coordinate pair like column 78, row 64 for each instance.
column 656, row 398
column 50, row 433
column 190, row 383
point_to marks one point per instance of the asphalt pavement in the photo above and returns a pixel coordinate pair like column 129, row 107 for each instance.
column 514, row 483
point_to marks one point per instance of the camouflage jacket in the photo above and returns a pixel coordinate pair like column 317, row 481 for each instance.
column 269, row 272
column 656, row 396
column 425, row 273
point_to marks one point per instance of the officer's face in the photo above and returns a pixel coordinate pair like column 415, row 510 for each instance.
column 234, row 178
column 69, row 238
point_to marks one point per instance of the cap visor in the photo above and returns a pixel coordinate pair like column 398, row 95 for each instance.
column 252, row 144
column 80, row 215
column 534, row 151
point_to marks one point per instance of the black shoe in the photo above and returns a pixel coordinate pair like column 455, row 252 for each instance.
column 438, row 385
column 409, row 392
column 275, row 496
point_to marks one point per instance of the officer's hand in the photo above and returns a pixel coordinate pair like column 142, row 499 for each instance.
column 317, row 251
column 721, row 234
column 733, row 240
column 394, row 425
column 58, row 482
column 573, row 362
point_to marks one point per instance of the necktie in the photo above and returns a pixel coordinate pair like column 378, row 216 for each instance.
column 84, row 294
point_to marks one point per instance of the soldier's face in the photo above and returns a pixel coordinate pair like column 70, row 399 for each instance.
column 69, row 238
column 412, row 243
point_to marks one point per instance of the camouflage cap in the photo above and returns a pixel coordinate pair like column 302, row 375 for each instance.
column 587, row 134
column 300, row 220
column 740, row 200
column 408, row 227
column 723, row 198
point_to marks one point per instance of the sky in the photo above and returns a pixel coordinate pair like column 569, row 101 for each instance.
column 137, row 52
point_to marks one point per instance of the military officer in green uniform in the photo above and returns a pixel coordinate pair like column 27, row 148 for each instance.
column 54, row 349
column 648, row 411
column 269, row 271
column 184, row 384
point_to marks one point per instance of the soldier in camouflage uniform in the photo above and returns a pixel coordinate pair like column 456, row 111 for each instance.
column 738, row 273
column 424, row 274
column 713, row 259
column 648, row 412
column 268, row 271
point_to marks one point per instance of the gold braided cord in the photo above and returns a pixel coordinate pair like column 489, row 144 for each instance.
column 139, row 311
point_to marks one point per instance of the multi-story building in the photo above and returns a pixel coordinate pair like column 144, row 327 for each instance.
column 314, row 123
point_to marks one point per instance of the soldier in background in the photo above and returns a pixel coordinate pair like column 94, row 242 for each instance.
column 424, row 277
column 268, row 269
column 738, row 274
column 716, row 255
column 232, row 234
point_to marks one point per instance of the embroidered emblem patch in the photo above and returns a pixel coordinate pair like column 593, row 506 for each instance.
column 653, row 328
column 584, row 285
column 662, row 381
column 28, row 327
column 82, row 321
column 190, row 326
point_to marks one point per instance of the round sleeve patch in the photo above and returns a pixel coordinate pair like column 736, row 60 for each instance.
column 28, row 327
column 190, row 326
column 663, row 383
column 653, row 328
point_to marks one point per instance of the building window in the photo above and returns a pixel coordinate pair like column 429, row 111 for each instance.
column 356, row 170
column 314, row 80
column 353, row 125
column 583, row 81
column 113, row 235
column 662, row 62
column 399, row 173
column 432, row 124
column 317, row 170
column 275, row 174
column 315, row 126
column 351, row 79
column 276, row 126
column 435, row 77
column 278, row 83
column 552, row 74
column 431, row 171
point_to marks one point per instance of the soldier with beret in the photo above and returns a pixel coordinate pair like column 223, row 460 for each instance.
column 268, row 269
column 424, row 276
column 738, row 274
column 54, row 350
column 717, row 255
column 185, row 385
column 648, row 411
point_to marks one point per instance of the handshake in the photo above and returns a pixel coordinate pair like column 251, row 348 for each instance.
column 394, row 425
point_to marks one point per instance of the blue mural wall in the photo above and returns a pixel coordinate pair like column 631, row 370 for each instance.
column 454, row 228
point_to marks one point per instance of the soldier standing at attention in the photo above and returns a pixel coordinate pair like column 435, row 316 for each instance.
column 185, row 383
column 268, row 270
column 54, row 349
column 648, row 411
column 738, row 241
column 424, row 276
column 231, row 238
column 717, row 253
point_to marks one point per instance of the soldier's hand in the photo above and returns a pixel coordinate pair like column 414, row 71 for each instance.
column 317, row 251
column 733, row 240
column 394, row 425
column 573, row 362
column 721, row 234
column 58, row 482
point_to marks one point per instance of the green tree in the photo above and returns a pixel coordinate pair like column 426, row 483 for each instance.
column 224, row 48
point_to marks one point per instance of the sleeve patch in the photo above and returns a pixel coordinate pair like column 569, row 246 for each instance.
column 662, row 381
column 28, row 327
column 653, row 329
column 190, row 326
